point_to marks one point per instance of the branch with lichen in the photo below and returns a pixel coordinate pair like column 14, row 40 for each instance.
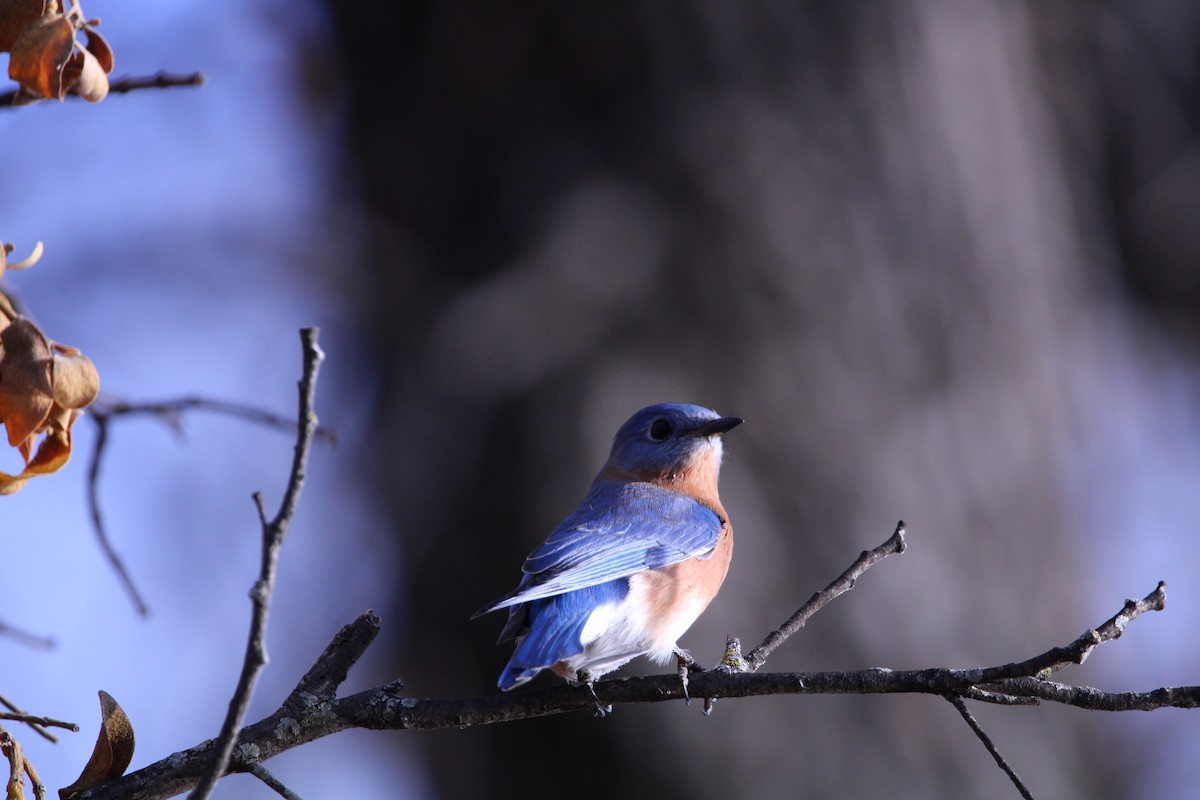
column 313, row 709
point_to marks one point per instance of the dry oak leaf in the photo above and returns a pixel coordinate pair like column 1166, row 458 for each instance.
column 15, row 17
column 113, row 751
column 48, row 61
column 43, row 386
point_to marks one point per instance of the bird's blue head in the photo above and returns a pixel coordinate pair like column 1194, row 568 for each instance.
column 667, row 441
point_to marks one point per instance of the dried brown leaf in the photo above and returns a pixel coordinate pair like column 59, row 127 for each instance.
column 84, row 76
column 15, row 17
column 98, row 46
column 26, row 381
column 52, row 454
column 39, row 55
column 76, row 382
column 113, row 751
column 43, row 386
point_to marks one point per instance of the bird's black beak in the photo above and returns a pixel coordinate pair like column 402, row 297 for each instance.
column 717, row 426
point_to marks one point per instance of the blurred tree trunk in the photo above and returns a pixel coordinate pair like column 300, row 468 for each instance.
column 862, row 226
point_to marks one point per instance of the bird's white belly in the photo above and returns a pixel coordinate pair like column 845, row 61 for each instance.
column 616, row 633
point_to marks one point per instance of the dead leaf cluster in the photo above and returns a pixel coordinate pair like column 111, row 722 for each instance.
column 44, row 387
column 45, row 55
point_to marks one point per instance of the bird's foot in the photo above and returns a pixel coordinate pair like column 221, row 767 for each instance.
column 686, row 664
column 588, row 680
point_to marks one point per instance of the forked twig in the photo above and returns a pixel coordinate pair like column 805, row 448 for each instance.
column 104, row 411
column 273, row 533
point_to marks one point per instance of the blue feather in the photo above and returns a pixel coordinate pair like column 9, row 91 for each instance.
column 619, row 529
column 555, row 627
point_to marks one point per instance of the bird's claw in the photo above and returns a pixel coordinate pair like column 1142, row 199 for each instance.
column 601, row 710
column 686, row 664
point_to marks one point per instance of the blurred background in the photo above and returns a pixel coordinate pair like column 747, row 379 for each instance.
column 941, row 256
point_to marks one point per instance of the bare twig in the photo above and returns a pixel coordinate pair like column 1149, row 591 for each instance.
column 273, row 533
column 37, row 723
column 25, row 637
column 39, row 788
column 159, row 80
column 961, row 706
column 170, row 412
column 93, row 499
column 32, row 719
column 257, row 769
column 845, row 582
column 1096, row 700
column 1077, row 651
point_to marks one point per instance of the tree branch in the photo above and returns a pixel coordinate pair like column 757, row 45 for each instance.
column 312, row 711
column 159, row 80
column 273, row 534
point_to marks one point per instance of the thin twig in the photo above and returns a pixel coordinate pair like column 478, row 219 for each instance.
column 1096, row 700
column 25, row 637
column 273, row 534
column 169, row 411
column 35, row 722
column 32, row 719
column 1077, row 651
column 257, row 769
column 159, row 80
column 961, row 706
column 331, row 668
column 93, row 500
column 39, row 788
column 103, row 411
column 845, row 582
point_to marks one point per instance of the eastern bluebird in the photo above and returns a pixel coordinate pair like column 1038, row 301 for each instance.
column 635, row 564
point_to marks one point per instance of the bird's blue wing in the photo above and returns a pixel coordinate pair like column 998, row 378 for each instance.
column 619, row 529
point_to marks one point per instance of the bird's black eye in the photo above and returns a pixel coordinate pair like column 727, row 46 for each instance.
column 660, row 429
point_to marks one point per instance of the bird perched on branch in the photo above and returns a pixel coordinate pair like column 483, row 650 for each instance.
column 635, row 564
